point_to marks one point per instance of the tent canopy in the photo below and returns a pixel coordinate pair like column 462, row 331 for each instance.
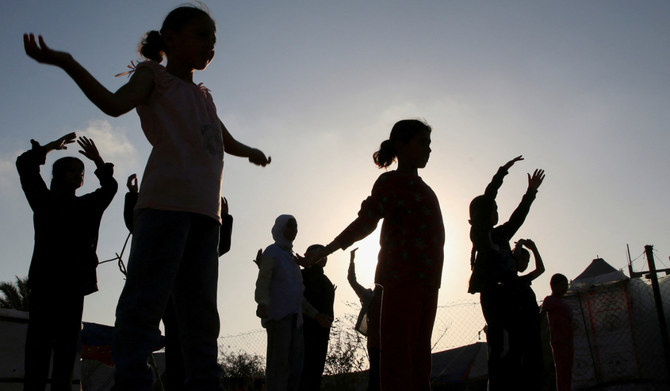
column 598, row 272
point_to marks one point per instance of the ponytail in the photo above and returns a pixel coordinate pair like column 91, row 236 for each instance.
column 152, row 46
column 402, row 131
column 386, row 154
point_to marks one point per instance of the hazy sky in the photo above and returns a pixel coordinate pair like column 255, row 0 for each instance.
column 579, row 88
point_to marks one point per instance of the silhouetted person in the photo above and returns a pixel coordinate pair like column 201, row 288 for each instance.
column 410, row 258
column 560, row 316
column 368, row 320
column 525, row 334
column 281, row 304
column 320, row 293
column 494, row 271
column 63, row 266
column 175, row 376
column 177, row 217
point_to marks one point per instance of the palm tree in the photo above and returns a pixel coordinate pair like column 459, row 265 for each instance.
column 15, row 294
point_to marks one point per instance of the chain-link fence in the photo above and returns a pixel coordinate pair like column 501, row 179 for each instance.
column 456, row 324
column 617, row 336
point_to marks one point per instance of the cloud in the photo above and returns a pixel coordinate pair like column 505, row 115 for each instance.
column 113, row 144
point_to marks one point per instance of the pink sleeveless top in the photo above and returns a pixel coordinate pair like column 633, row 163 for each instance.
column 185, row 169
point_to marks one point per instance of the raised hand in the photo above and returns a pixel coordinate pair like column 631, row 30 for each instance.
column 89, row 150
column 61, row 143
column 131, row 183
column 40, row 52
column 535, row 180
column 259, row 258
column 509, row 164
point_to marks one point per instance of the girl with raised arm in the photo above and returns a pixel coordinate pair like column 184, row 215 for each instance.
column 177, row 216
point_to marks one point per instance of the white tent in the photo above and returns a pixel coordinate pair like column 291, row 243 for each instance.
column 616, row 332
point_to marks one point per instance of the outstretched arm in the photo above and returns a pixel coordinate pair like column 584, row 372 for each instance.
column 539, row 265
column 123, row 100
column 236, row 148
column 58, row 144
column 28, row 165
column 351, row 277
column 519, row 215
column 497, row 180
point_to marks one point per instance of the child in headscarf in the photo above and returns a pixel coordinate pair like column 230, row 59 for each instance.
column 279, row 294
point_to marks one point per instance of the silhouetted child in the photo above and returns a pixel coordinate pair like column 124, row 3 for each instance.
column 559, row 314
column 63, row 266
column 320, row 293
column 410, row 258
column 525, row 336
column 175, row 376
column 493, row 267
column 279, row 294
column 177, row 216
column 368, row 320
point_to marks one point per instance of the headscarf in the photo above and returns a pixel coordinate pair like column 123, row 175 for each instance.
column 278, row 232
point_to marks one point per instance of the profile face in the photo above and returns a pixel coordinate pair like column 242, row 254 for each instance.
column 417, row 150
column 195, row 42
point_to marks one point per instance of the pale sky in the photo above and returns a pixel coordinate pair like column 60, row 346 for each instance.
column 579, row 88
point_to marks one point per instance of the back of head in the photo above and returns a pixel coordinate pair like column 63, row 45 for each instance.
column 481, row 208
column 152, row 45
column 558, row 281
column 402, row 131
column 61, row 173
column 521, row 257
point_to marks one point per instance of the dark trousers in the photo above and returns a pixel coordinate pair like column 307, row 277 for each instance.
column 373, row 373
column 407, row 318
column 173, row 257
column 54, row 326
column 316, row 350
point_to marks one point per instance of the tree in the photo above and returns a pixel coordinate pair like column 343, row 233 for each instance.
column 15, row 294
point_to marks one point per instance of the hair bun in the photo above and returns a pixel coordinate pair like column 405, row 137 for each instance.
column 153, row 46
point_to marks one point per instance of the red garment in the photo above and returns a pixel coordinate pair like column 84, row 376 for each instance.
column 412, row 235
column 410, row 270
column 408, row 314
column 559, row 314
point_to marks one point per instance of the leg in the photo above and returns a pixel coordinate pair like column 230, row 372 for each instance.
column 296, row 357
column 315, row 355
column 195, row 305
column 563, row 356
column 278, row 350
column 407, row 318
column 373, row 374
column 39, row 341
column 174, row 363
column 65, row 342
column 158, row 243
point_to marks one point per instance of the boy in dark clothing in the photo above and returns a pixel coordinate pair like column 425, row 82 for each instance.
column 175, row 375
column 525, row 339
column 63, row 266
column 493, row 266
column 319, row 292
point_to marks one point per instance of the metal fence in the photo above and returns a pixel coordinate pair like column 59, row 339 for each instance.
column 456, row 324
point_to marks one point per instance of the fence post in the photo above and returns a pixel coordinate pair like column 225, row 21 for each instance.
column 648, row 249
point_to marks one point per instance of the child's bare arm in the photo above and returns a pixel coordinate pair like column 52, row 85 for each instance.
column 125, row 99
column 236, row 148
column 539, row 265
